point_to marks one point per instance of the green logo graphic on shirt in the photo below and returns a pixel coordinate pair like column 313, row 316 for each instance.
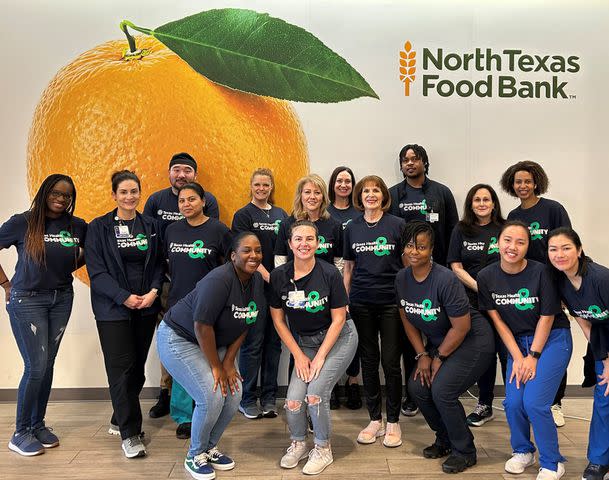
column 493, row 246
column 380, row 248
column 598, row 313
column 141, row 242
column 424, row 207
column 427, row 314
column 65, row 239
column 252, row 310
column 523, row 304
column 535, row 228
column 197, row 249
column 277, row 223
column 314, row 304
column 323, row 246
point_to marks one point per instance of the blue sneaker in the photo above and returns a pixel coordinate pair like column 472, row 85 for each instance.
column 45, row 436
column 218, row 460
column 198, row 467
column 25, row 444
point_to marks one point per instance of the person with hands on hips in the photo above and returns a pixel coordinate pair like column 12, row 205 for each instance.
column 125, row 260
column 521, row 297
column 459, row 348
column 198, row 341
column 311, row 293
column 584, row 288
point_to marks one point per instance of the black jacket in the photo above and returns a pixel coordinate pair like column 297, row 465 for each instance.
column 439, row 200
column 109, row 285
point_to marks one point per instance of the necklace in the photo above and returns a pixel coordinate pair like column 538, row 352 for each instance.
column 373, row 224
column 266, row 211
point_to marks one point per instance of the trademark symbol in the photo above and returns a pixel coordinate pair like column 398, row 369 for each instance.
column 572, row 97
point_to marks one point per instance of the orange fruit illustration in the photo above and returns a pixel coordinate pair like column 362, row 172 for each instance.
column 103, row 112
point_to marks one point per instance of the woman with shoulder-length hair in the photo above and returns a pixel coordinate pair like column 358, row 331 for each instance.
column 48, row 238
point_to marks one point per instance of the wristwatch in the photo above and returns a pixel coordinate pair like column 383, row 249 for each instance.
column 534, row 354
column 439, row 356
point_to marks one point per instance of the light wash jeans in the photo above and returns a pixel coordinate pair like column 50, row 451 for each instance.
column 186, row 363
column 336, row 364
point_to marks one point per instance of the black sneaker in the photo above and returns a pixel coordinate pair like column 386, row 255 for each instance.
column 595, row 472
column 334, row 401
column 457, row 463
column 183, row 431
column 409, row 408
column 161, row 408
column 436, row 451
column 354, row 399
column 481, row 414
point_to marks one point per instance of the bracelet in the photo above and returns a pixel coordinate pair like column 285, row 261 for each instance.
column 422, row 354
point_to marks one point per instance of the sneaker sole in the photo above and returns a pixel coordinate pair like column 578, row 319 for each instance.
column 270, row 414
column 481, row 422
column 305, row 455
column 250, row 417
column 410, row 413
column 392, row 445
column 518, row 472
column 141, row 453
column 445, row 454
column 112, row 431
column 317, row 472
column 379, row 434
column 15, row 448
column 50, row 445
column 222, row 467
column 457, row 470
column 200, row 476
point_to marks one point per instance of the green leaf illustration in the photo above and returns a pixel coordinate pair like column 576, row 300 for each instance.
column 257, row 53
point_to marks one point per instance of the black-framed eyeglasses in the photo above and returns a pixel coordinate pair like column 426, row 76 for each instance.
column 56, row 194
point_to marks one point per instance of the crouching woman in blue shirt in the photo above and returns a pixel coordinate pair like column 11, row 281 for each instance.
column 198, row 341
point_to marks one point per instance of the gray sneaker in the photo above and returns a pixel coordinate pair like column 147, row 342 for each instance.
column 319, row 459
column 251, row 411
column 295, row 453
column 133, row 447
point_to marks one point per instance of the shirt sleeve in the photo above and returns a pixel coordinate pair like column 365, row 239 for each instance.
column 347, row 250
column 210, row 300
column 211, row 206
column 454, row 247
column 12, row 230
column 451, row 215
column 549, row 299
column 150, row 207
column 337, row 232
column 453, row 296
column 338, row 294
column 225, row 241
column 562, row 217
column 485, row 298
column 281, row 248
column 241, row 222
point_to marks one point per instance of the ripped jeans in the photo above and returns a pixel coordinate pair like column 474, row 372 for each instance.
column 335, row 365
column 38, row 320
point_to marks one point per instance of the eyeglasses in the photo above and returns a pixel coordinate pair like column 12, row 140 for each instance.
column 56, row 194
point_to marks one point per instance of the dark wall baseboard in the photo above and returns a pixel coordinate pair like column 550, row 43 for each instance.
column 85, row 394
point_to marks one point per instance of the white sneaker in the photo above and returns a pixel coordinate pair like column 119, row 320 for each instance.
column 519, row 462
column 113, row 430
column 545, row 474
column 319, row 459
column 393, row 435
column 295, row 453
column 369, row 434
column 557, row 415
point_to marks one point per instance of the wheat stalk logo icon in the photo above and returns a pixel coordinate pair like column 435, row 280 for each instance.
column 407, row 66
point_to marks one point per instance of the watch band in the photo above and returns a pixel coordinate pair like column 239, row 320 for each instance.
column 534, row 354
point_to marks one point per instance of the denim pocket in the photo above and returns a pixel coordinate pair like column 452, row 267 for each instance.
column 313, row 341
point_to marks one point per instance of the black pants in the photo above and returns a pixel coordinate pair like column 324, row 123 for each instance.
column 408, row 355
column 486, row 382
column 125, row 346
column 440, row 404
column 371, row 322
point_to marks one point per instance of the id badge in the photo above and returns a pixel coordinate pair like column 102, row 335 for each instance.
column 433, row 217
column 121, row 231
column 296, row 298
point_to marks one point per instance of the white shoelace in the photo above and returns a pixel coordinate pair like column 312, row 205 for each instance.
column 200, row 459
column 480, row 409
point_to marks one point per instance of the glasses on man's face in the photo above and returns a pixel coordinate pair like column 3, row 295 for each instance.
column 55, row 194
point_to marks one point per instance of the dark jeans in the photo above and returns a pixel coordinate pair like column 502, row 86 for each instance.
column 125, row 345
column 440, row 404
column 408, row 354
column 486, row 383
column 260, row 351
column 371, row 322
column 38, row 320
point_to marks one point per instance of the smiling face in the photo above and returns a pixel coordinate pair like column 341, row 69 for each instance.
column 419, row 252
column 248, row 255
column 127, row 195
column 190, row 203
column 372, row 196
column 563, row 253
column 311, row 197
column 261, row 186
column 180, row 175
column 59, row 198
column 524, row 185
column 513, row 245
column 303, row 242
column 343, row 186
column 483, row 205
column 412, row 165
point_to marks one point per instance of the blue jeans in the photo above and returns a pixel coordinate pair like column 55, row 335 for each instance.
column 38, row 320
column 336, row 363
column 530, row 405
column 261, row 350
column 598, row 442
column 186, row 363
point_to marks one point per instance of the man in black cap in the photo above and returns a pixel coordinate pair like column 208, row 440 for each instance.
column 163, row 205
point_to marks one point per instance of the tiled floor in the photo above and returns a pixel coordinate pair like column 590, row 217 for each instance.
column 88, row 452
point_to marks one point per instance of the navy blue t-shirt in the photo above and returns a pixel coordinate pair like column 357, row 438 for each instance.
column 521, row 298
column 63, row 237
column 377, row 253
column 132, row 248
column 414, row 206
column 474, row 251
column 343, row 215
column 163, row 205
column 330, row 239
column 320, row 291
column 220, row 300
column 193, row 252
column 590, row 302
column 542, row 218
column 265, row 224
column 429, row 304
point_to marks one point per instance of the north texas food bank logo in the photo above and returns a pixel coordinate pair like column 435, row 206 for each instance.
column 506, row 73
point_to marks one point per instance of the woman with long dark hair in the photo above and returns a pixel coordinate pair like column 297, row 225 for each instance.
column 48, row 238
column 584, row 288
column 125, row 263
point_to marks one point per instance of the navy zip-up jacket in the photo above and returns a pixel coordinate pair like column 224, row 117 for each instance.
column 109, row 285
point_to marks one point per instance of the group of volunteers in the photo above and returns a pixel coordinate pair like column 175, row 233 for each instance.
column 357, row 275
